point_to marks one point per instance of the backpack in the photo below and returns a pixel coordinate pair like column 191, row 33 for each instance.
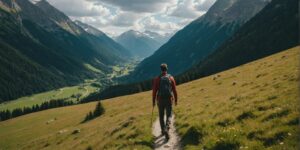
column 165, row 87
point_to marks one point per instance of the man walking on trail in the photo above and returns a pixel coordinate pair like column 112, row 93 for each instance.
column 164, row 92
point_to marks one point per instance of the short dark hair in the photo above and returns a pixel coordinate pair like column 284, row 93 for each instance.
column 164, row 67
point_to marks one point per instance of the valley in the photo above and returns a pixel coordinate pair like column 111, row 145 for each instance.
column 73, row 93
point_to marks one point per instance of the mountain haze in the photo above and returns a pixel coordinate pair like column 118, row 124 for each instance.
column 141, row 44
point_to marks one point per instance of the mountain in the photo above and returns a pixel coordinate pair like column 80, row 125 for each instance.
column 200, row 38
column 43, row 50
column 162, row 39
column 275, row 28
column 141, row 44
column 260, row 111
column 101, row 43
column 90, row 29
column 120, row 50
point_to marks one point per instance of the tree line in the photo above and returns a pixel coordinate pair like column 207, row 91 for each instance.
column 8, row 114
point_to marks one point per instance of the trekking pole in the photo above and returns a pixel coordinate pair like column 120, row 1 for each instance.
column 152, row 116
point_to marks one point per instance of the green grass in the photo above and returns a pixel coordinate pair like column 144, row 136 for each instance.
column 255, row 107
column 92, row 68
column 122, row 70
column 66, row 92
column 244, row 112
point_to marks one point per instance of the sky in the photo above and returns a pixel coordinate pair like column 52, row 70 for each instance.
column 117, row 16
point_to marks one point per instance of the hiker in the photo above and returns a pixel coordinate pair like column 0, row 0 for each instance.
column 164, row 92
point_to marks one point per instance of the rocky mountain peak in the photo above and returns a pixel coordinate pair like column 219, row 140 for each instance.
column 90, row 29
column 229, row 11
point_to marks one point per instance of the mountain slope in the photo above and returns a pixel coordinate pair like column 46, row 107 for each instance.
column 200, row 38
column 273, row 29
column 38, row 72
column 55, row 45
column 103, row 45
column 140, row 44
column 253, row 106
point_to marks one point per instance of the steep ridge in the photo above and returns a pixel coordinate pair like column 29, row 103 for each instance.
column 103, row 45
column 200, row 38
column 254, row 106
column 267, row 33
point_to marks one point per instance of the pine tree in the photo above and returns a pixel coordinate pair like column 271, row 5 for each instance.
column 99, row 110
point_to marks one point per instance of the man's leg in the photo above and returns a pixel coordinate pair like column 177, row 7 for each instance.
column 161, row 111
column 169, row 115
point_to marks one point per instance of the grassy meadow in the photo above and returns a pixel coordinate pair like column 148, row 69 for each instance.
column 70, row 93
column 254, row 106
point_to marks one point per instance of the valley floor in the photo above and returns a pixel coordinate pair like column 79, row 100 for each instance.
column 72, row 93
column 254, row 106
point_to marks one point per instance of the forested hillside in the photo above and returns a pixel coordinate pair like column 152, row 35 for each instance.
column 275, row 28
column 55, row 51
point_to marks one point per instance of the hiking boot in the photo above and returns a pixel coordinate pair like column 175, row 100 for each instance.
column 168, row 126
column 167, row 136
column 162, row 132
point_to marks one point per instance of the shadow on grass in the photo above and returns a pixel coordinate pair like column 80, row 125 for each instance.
column 267, row 141
column 225, row 123
column 144, row 143
column 278, row 137
column 245, row 115
column 226, row 145
column 254, row 135
column 293, row 122
column 123, row 125
column 280, row 114
column 192, row 137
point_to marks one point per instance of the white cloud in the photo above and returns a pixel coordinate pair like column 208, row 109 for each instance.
column 116, row 16
column 153, row 24
column 80, row 8
column 186, row 9
column 148, row 6
column 125, row 19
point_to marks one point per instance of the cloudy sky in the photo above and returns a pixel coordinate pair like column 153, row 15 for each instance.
column 116, row 16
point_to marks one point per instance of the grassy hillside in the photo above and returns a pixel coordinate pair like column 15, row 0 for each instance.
column 269, row 32
column 253, row 106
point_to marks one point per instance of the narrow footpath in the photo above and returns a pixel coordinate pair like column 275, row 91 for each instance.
column 160, row 142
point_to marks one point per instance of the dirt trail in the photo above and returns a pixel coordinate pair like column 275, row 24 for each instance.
column 160, row 142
